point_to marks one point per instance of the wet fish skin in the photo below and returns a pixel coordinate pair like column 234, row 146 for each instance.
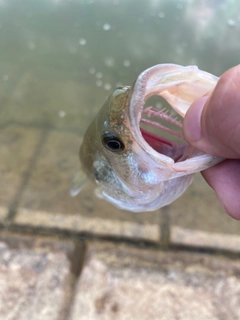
column 128, row 171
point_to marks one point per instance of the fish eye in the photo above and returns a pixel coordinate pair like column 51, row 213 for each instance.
column 112, row 142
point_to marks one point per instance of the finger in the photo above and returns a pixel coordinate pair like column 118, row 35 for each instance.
column 224, row 178
column 212, row 123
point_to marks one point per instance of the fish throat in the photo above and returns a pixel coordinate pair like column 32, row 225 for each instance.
column 163, row 132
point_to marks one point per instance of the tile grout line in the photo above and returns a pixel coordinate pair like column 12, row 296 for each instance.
column 12, row 209
column 41, row 125
column 164, row 228
column 77, row 263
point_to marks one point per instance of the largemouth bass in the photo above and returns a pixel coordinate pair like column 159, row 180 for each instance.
column 134, row 168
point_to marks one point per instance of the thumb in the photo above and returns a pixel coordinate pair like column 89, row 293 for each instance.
column 212, row 124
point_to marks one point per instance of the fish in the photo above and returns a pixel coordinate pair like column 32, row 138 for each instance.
column 135, row 168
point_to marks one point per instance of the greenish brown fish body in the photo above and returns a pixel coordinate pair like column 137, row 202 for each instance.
column 136, row 169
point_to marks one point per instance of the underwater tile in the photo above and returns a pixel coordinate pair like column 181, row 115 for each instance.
column 199, row 209
column 35, row 283
column 128, row 283
column 50, row 181
column 92, row 225
column 202, row 239
column 17, row 146
column 50, row 102
column 3, row 213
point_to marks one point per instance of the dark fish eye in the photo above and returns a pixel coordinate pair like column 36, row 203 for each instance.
column 112, row 142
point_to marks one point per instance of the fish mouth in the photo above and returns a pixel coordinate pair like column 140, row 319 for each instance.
column 164, row 141
column 180, row 87
column 163, row 133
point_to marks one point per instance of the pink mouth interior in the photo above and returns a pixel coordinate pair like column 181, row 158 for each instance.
column 167, row 146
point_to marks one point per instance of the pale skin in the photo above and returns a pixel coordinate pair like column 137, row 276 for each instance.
column 212, row 124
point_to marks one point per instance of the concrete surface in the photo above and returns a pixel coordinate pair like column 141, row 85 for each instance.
column 119, row 282
column 94, row 280
column 35, row 278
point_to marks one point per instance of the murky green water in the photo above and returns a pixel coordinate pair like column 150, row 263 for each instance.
column 59, row 60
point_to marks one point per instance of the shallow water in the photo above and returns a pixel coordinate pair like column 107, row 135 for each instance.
column 59, row 60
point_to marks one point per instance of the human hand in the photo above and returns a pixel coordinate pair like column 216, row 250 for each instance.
column 212, row 124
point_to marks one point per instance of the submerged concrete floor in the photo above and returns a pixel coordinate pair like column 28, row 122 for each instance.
column 72, row 278
column 81, row 258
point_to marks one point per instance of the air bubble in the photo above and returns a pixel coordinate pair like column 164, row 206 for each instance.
column 5, row 77
column 61, row 114
column 231, row 23
column 92, row 70
column 82, row 41
column 107, row 86
column 126, row 63
column 99, row 83
column 161, row 15
column 99, row 75
column 109, row 62
column 106, row 26
column 31, row 45
column 158, row 105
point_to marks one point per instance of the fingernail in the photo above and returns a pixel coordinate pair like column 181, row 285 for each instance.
column 192, row 120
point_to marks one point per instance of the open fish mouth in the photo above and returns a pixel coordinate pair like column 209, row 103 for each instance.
column 163, row 132
column 158, row 132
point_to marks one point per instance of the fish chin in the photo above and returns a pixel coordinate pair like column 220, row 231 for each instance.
column 168, row 191
column 122, row 194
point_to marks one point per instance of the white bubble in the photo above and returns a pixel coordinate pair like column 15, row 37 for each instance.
column 92, row 70
column 109, row 62
column 106, row 26
column 99, row 83
column 99, row 75
column 231, row 23
column 158, row 105
column 161, row 14
column 107, row 86
column 82, row 41
column 31, row 45
column 126, row 63
column 5, row 77
column 61, row 114
column 179, row 49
